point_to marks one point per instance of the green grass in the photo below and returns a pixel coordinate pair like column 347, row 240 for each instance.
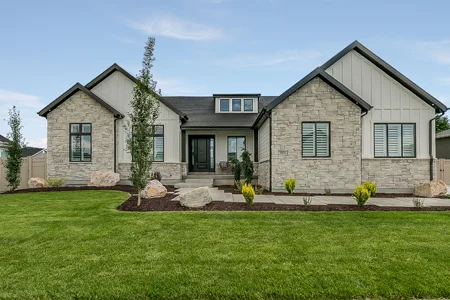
column 77, row 245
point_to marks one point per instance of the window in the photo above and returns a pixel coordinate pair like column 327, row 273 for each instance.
column 236, row 144
column 316, row 139
column 236, row 105
column 224, row 104
column 2, row 153
column 158, row 144
column 248, row 104
column 395, row 140
column 80, row 142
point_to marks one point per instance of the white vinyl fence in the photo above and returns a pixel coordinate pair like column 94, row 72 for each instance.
column 443, row 170
column 31, row 167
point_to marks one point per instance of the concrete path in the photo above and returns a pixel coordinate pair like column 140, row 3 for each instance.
column 219, row 195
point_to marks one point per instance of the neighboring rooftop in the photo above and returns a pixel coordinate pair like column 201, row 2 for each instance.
column 3, row 139
column 30, row 151
column 443, row 134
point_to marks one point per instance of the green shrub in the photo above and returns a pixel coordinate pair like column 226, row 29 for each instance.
column 249, row 194
column 289, row 185
column 245, row 166
column 418, row 203
column 361, row 195
column 55, row 181
column 371, row 187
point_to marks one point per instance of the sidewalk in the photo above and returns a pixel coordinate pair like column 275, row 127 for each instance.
column 219, row 195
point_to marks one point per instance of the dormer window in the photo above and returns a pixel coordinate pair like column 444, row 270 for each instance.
column 236, row 103
column 224, row 104
column 248, row 104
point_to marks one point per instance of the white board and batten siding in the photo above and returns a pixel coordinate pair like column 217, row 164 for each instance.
column 264, row 141
column 392, row 102
column 117, row 90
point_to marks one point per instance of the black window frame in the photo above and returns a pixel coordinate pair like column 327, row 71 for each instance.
column 80, row 134
column 220, row 104
column 251, row 100
column 401, row 140
column 315, row 139
column 236, row 137
column 163, row 139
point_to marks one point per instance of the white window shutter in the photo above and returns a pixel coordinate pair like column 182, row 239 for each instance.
column 408, row 140
column 322, row 139
column 308, row 139
column 380, row 140
column 395, row 140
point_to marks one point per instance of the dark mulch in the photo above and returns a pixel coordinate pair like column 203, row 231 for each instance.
column 164, row 204
column 232, row 189
column 123, row 188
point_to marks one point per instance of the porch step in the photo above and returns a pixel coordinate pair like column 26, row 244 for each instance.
column 206, row 181
column 193, row 184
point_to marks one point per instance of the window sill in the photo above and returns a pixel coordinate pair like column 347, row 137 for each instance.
column 80, row 162
column 313, row 158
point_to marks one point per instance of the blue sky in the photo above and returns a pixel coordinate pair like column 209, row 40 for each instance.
column 208, row 46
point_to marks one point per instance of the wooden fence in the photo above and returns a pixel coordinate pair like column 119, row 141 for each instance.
column 443, row 170
column 31, row 167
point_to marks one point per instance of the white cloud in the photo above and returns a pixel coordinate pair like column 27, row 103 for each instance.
column 34, row 127
column 282, row 58
column 436, row 50
column 173, row 27
column 177, row 87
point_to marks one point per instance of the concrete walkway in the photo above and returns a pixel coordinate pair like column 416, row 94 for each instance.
column 219, row 195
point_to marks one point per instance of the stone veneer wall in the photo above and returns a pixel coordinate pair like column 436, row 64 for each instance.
column 397, row 173
column 170, row 172
column 316, row 101
column 264, row 174
column 79, row 108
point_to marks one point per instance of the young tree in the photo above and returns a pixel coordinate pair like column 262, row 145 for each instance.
column 145, row 111
column 442, row 123
column 14, row 149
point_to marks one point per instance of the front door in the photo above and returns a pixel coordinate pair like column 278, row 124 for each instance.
column 201, row 153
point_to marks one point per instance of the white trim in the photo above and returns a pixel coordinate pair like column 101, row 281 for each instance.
column 230, row 105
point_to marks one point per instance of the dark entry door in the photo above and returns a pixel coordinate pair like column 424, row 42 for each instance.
column 201, row 153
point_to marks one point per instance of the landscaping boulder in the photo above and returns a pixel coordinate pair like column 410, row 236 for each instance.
column 154, row 189
column 36, row 182
column 104, row 178
column 431, row 189
column 196, row 198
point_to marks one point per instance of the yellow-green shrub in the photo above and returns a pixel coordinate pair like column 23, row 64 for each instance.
column 249, row 193
column 361, row 195
column 239, row 184
column 55, row 181
column 289, row 185
column 371, row 187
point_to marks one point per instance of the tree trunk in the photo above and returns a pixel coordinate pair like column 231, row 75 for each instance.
column 139, row 198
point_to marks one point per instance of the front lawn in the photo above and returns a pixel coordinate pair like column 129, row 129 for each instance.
column 77, row 245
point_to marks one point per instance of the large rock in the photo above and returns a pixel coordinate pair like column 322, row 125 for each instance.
column 431, row 189
column 196, row 198
column 104, row 178
column 36, row 182
column 154, row 189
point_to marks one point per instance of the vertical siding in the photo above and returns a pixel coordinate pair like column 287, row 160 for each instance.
column 392, row 102
column 263, row 141
column 117, row 90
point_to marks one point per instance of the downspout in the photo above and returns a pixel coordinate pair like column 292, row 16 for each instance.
column 269, row 116
column 361, row 145
column 430, row 145
column 115, row 146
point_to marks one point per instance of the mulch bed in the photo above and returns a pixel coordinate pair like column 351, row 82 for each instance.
column 164, row 204
column 233, row 190
column 123, row 188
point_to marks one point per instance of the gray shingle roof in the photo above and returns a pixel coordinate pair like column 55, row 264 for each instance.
column 30, row 151
column 201, row 112
column 3, row 139
column 443, row 134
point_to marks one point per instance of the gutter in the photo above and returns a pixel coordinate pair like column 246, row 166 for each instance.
column 431, row 143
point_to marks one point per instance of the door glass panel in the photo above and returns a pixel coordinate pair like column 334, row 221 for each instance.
column 201, row 151
column 211, row 154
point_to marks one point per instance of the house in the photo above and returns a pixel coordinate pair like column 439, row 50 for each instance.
column 355, row 118
column 3, row 142
column 443, row 144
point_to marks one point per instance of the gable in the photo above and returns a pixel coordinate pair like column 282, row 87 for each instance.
column 373, row 84
column 354, row 66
